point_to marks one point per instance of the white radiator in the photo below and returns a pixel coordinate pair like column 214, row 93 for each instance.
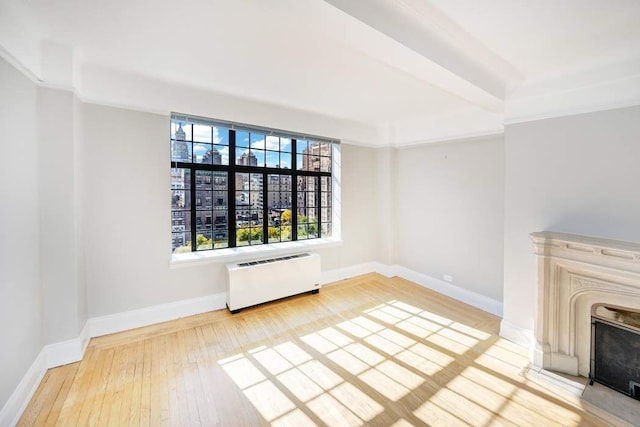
column 255, row 282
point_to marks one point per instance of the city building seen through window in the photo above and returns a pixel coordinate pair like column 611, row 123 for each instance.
column 234, row 186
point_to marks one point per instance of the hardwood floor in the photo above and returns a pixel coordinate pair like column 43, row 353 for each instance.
column 368, row 350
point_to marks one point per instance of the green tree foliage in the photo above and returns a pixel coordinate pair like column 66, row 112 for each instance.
column 202, row 242
column 274, row 232
column 242, row 234
column 286, row 217
column 256, row 234
column 183, row 249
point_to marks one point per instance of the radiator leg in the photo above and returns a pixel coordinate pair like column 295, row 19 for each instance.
column 233, row 311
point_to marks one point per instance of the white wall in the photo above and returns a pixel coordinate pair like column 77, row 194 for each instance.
column 79, row 186
column 127, row 215
column 359, row 215
column 450, row 213
column 576, row 174
column 58, row 214
column 127, row 208
column 21, row 322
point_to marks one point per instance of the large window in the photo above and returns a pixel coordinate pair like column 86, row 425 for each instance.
column 235, row 186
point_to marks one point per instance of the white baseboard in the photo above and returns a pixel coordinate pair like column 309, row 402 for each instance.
column 19, row 399
column 338, row 274
column 385, row 269
column 72, row 350
column 469, row 297
column 445, row 288
column 518, row 335
column 119, row 322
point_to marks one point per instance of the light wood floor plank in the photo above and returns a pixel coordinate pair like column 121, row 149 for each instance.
column 364, row 351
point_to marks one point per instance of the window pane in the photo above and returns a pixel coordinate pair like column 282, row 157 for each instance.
column 204, row 180
column 273, row 143
column 180, row 221
column 204, row 241
column 180, row 200
column 242, row 201
column 180, row 131
column 300, row 162
column 302, row 231
column 285, row 145
column 242, row 181
column 180, row 179
column 242, row 236
column 273, row 182
column 245, row 157
column 202, row 133
column 202, row 153
column 326, row 230
column 256, row 218
column 325, row 164
column 256, row 236
column 325, row 149
column 180, row 242
column 313, row 163
column 326, row 215
column 204, row 199
column 285, row 161
column 257, row 141
column 220, row 136
column 220, row 200
column 220, row 238
column 220, row 220
column 301, row 146
column 312, row 229
column 302, row 183
column 259, row 156
column 285, row 233
column 273, row 159
column 311, row 198
column 325, row 198
column 302, row 216
column 220, row 180
column 242, row 139
column 180, row 151
column 325, row 182
column 204, row 220
column 274, row 234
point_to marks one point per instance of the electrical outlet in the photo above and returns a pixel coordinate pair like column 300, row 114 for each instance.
column 448, row 278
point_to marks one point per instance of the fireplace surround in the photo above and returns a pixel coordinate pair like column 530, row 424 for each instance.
column 576, row 273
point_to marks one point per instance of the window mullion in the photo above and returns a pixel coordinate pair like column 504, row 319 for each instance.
column 294, row 189
column 265, row 208
column 231, row 191
column 192, row 195
column 319, row 207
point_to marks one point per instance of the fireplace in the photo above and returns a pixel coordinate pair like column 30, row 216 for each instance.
column 615, row 348
column 576, row 276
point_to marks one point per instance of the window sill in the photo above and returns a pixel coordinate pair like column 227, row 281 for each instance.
column 246, row 253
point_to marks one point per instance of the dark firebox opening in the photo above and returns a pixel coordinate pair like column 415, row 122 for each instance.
column 615, row 349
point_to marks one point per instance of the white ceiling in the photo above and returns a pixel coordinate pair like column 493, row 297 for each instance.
column 400, row 71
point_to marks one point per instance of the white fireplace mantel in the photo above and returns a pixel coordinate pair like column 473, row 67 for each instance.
column 574, row 273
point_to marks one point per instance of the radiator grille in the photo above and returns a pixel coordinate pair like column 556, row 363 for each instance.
column 266, row 261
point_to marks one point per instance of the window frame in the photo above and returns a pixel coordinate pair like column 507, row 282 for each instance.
column 232, row 168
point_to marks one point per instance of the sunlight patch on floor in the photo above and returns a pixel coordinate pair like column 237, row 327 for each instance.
column 391, row 349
